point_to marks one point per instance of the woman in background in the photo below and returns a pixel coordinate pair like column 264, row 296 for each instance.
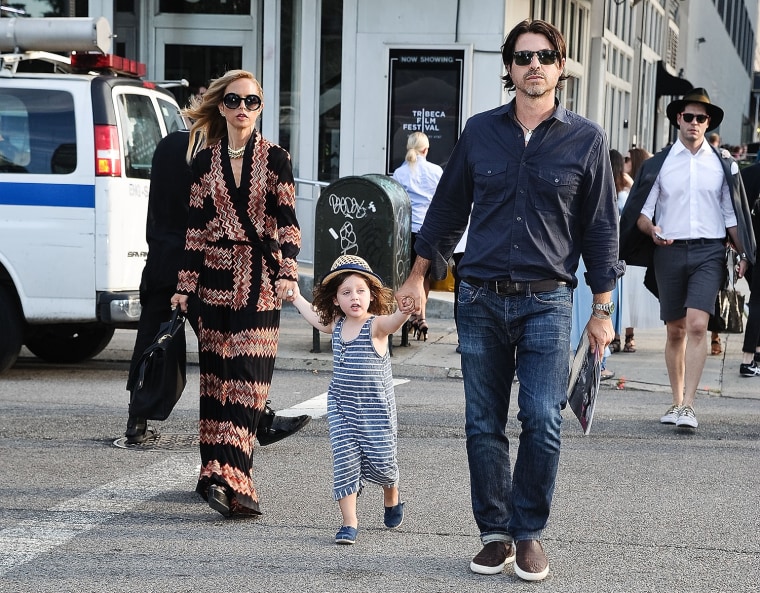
column 419, row 178
column 640, row 307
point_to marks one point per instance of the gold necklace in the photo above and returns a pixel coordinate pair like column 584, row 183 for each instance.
column 528, row 131
column 235, row 153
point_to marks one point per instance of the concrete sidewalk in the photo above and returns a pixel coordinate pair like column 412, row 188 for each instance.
column 643, row 370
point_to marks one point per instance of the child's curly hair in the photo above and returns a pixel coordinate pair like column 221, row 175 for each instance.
column 382, row 302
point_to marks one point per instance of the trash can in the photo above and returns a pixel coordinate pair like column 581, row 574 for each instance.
column 369, row 216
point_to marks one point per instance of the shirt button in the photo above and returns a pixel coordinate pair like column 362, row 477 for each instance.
column 517, row 247
column 519, row 218
column 556, row 180
column 489, row 171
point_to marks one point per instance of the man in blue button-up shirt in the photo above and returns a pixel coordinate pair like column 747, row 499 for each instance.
column 535, row 182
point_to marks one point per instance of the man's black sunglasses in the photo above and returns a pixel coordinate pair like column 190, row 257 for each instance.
column 232, row 101
column 689, row 117
column 545, row 57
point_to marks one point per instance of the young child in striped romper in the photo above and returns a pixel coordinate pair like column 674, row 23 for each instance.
column 352, row 304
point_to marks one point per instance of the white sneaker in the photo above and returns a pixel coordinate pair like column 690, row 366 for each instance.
column 686, row 417
column 671, row 416
column 749, row 370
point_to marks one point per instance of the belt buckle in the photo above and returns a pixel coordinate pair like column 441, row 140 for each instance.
column 507, row 288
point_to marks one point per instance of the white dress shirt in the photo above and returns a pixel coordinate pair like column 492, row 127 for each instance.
column 690, row 198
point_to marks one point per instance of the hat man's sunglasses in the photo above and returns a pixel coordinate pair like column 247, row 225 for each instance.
column 689, row 117
column 232, row 101
column 546, row 57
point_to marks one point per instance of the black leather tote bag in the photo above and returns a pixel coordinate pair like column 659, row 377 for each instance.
column 161, row 372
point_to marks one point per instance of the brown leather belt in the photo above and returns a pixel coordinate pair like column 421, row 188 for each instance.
column 509, row 288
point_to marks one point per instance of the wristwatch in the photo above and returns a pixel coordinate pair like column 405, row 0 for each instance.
column 742, row 256
column 608, row 308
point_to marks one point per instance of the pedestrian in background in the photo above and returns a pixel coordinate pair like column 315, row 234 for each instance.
column 534, row 181
column 750, row 364
column 716, row 347
column 640, row 308
column 419, row 178
column 352, row 305
column 242, row 236
column 686, row 202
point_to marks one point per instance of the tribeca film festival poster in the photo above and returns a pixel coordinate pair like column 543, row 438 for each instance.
column 425, row 95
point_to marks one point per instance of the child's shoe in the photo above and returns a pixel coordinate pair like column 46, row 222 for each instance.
column 394, row 516
column 346, row 535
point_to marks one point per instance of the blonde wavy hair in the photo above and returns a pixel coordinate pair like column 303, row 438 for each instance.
column 208, row 127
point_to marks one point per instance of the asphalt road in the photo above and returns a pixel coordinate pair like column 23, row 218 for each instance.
column 639, row 507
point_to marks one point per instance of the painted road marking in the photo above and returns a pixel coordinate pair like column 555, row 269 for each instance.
column 316, row 407
column 62, row 523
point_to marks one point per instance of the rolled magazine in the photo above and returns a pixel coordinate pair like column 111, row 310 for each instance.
column 583, row 386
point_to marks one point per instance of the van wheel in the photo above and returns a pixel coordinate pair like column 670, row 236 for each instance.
column 12, row 333
column 66, row 343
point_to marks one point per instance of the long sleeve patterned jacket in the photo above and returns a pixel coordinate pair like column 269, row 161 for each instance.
column 225, row 223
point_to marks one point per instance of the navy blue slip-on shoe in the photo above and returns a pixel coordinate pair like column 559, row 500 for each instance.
column 346, row 535
column 394, row 516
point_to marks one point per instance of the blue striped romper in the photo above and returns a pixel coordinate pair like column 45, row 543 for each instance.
column 361, row 412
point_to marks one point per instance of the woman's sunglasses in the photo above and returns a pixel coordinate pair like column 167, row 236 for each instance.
column 545, row 57
column 689, row 117
column 232, row 101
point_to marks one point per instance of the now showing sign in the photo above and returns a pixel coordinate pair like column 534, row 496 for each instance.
column 424, row 95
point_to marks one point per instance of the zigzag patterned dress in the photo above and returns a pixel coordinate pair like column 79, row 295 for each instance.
column 239, row 242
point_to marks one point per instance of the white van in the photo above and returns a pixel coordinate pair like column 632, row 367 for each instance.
column 77, row 135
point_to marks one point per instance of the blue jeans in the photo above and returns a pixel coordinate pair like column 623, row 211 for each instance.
column 499, row 335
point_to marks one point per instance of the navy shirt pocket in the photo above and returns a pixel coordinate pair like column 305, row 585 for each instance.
column 490, row 181
column 555, row 190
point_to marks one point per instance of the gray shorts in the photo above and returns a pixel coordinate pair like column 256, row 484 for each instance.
column 689, row 275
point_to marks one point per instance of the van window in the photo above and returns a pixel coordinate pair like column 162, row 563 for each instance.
column 141, row 133
column 37, row 132
column 172, row 117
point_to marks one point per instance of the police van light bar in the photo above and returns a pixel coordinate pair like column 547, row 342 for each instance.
column 55, row 34
column 87, row 62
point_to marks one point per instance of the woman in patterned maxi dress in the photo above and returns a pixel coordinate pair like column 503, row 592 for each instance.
column 242, row 237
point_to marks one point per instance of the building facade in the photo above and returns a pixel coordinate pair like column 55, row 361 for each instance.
column 346, row 80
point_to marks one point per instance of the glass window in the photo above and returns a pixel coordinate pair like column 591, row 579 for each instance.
column 37, row 132
column 205, row 7
column 140, row 133
column 290, row 89
column 329, row 89
column 570, row 100
column 171, row 116
column 198, row 64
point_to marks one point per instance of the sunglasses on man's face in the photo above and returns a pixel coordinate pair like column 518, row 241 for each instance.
column 690, row 117
column 232, row 101
column 545, row 57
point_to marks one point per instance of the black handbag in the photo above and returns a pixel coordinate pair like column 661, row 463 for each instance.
column 729, row 305
column 161, row 372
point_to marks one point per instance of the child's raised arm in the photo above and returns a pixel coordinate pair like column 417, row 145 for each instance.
column 310, row 315
column 385, row 325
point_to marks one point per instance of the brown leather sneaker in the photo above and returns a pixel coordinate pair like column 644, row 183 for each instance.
column 531, row 563
column 493, row 558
